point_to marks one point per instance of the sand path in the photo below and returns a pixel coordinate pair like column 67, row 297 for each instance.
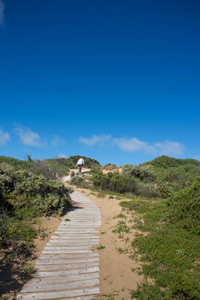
column 118, row 271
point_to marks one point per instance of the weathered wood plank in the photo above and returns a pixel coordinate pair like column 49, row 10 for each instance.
column 71, row 237
column 59, row 294
column 61, row 279
column 56, row 267
column 69, row 256
column 67, row 247
column 76, row 241
column 60, row 286
column 65, row 251
column 66, row 272
column 66, row 261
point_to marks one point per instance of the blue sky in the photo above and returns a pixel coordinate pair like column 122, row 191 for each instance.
column 114, row 80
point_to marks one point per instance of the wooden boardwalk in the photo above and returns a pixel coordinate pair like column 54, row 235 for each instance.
column 68, row 268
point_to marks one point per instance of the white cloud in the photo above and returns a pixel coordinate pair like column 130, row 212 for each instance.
column 57, row 141
column 62, row 155
column 95, row 139
column 28, row 137
column 169, row 148
column 4, row 137
column 2, row 6
column 130, row 145
column 135, row 145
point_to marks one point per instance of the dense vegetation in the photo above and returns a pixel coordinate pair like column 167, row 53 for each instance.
column 28, row 190
column 169, row 249
column 158, row 178
column 71, row 162
column 165, row 193
column 167, row 222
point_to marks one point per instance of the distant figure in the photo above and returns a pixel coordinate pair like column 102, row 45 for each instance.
column 80, row 163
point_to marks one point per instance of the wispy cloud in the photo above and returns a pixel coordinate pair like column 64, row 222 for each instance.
column 28, row 137
column 4, row 137
column 2, row 6
column 57, row 141
column 131, row 145
column 169, row 148
column 95, row 139
column 135, row 145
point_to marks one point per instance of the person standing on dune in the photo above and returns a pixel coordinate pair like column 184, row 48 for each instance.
column 80, row 163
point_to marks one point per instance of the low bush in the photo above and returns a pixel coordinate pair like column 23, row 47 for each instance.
column 184, row 207
column 169, row 253
column 169, row 162
column 25, row 195
column 138, row 172
column 80, row 182
column 113, row 182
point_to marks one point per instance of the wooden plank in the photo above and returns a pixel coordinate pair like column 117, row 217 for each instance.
column 59, row 294
column 59, row 267
column 65, row 251
column 67, row 247
column 72, row 242
column 61, row 279
column 66, row 272
column 60, row 286
column 68, row 256
column 66, row 261
column 75, row 241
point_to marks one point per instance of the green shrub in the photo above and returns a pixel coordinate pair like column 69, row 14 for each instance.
column 114, row 166
column 16, row 163
column 88, row 162
column 113, row 182
column 80, row 182
column 147, row 190
column 164, row 191
column 169, row 162
column 184, row 206
column 138, row 172
column 23, row 188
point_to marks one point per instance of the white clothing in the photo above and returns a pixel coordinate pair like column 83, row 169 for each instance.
column 80, row 162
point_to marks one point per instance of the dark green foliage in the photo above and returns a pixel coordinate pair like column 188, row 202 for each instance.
column 25, row 195
column 184, row 207
column 12, row 229
column 16, row 163
column 169, row 162
column 23, row 188
column 71, row 162
column 120, row 183
column 138, row 172
column 88, row 162
column 168, row 251
column 66, row 162
column 147, row 291
column 114, row 182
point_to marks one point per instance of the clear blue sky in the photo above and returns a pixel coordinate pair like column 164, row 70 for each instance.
column 115, row 80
